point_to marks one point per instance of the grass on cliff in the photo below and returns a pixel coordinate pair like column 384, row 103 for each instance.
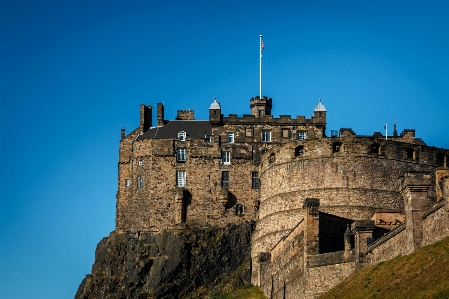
column 422, row 274
column 242, row 292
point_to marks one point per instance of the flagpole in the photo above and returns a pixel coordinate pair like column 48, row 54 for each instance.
column 386, row 131
column 260, row 48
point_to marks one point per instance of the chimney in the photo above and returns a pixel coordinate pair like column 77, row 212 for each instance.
column 146, row 117
column 160, row 114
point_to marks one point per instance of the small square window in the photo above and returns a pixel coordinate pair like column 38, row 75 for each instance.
column 181, row 178
column 226, row 158
column 208, row 138
column 266, row 136
column 302, row 135
column 182, row 136
column 140, row 162
column 285, row 133
column 139, row 181
column 127, row 182
column 181, row 154
column 225, row 179
column 231, row 137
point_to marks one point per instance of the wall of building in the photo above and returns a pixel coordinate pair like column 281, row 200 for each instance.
column 154, row 207
column 436, row 223
column 352, row 183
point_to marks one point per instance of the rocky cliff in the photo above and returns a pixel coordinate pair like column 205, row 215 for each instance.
column 171, row 264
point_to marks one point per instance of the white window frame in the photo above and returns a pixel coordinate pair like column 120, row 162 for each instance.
column 127, row 182
column 181, row 178
column 231, row 137
column 182, row 136
column 181, row 154
column 226, row 157
column 302, row 135
column 139, row 181
column 208, row 138
column 140, row 162
column 266, row 136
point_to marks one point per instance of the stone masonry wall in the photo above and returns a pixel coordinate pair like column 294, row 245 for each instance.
column 436, row 224
column 153, row 207
column 391, row 246
column 349, row 185
column 284, row 274
column 322, row 279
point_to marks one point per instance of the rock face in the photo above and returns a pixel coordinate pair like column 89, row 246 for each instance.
column 169, row 264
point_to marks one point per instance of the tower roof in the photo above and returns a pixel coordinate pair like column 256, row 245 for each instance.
column 320, row 107
column 215, row 104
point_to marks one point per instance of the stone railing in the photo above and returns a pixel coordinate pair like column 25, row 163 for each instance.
column 432, row 209
column 385, row 238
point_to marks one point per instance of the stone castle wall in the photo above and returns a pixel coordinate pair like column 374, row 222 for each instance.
column 352, row 183
column 153, row 206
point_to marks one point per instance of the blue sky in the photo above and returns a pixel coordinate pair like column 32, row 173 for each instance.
column 73, row 73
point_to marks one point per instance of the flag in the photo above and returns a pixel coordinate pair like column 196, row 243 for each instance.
column 263, row 46
column 385, row 126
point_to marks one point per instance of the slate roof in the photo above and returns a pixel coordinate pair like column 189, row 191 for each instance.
column 196, row 129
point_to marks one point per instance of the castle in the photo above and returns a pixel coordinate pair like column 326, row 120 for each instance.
column 323, row 206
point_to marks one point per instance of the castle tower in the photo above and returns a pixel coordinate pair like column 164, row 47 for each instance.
column 260, row 107
column 215, row 112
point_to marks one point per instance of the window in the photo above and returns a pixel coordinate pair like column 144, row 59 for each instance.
column 266, row 136
column 208, row 138
column 181, row 155
column 375, row 148
column 285, row 133
column 440, row 159
column 249, row 132
column 181, row 179
column 140, row 162
column 260, row 113
column 255, row 181
column 302, row 135
column 226, row 158
column 231, row 137
column 139, row 182
column 127, row 182
column 225, row 179
column 299, row 151
column 239, row 210
column 132, row 164
column 409, row 152
column 182, row 136
column 336, row 147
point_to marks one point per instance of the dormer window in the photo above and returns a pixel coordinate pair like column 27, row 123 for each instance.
column 182, row 136
column 208, row 138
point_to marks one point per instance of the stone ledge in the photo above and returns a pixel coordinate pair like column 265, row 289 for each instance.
column 432, row 209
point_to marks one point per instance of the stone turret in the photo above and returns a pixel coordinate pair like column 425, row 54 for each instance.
column 260, row 107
